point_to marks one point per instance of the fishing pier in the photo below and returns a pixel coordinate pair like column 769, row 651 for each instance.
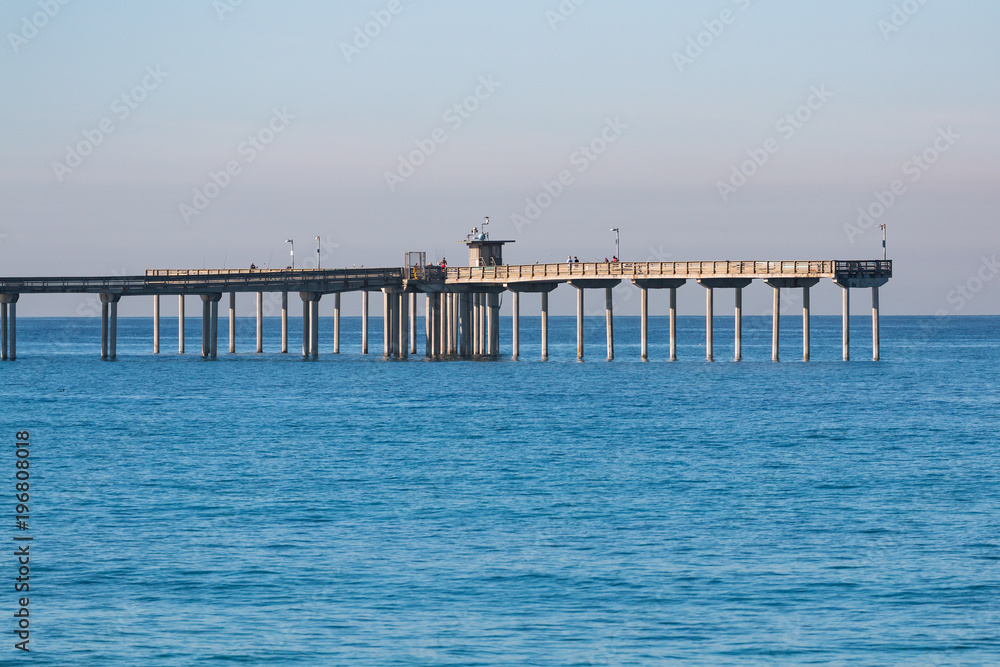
column 462, row 304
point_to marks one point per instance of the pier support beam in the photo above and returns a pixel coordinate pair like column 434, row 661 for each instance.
column 260, row 322
column 806, row 324
column 404, row 325
column 428, row 329
column 206, row 326
column 847, row 323
column 413, row 322
column 215, row 327
column 545, row 326
column 336, row 323
column 709, row 322
column 109, row 325
column 386, row 323
column 8, row 326
column 314, row 326
column 3, row 329
column 232, row 323
column 644, row 323
column 310, row 324
column 580, row 285
column 492, row 326
column 455, row 322
column 579, row 323
column 646, row 284
column 776, row 325
column 610, row 317
column 876, row 344
column 444, row 324
column 673, row 324
column 738, row 284
column 515, row 311
column 364, row 322
column 156, row 324
column 790, row 283
column 306, row 312
column 284, row 322
column 476, row 326
column 210, row 325
column 738, row 352
column 517, row 289
column 180, row 324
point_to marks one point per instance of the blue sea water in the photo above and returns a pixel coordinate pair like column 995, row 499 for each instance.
column 265, row 510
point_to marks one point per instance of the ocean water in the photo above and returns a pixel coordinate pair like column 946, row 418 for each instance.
column 265, row 510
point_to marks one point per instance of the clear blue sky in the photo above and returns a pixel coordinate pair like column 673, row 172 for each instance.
column 684, row 118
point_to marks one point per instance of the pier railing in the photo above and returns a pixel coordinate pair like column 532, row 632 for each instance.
column 688, row 270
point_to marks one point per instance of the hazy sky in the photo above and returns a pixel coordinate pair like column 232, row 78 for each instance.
column 201, row 133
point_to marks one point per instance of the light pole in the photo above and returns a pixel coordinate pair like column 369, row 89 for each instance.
column 292, row 244
column 618, row 247
column 317, row 252
column 884, row 255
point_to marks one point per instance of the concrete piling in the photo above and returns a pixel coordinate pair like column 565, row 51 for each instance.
column 364, row 322
column 413, row 322
column 404, row 325
column 104, row 330
column 314, row 326
column 709, row 322
column 3, row 331
column 876, row 343
column 610, row 316
column 579, row 323
column 776, row 325
column 284, row 322
column 156, row 324
column 847, row 323
column 206, row 324
column 515, row 311
column 386, row 324
column 336, row 323
column 429, row 328
column 644, row 322
column 673, row 324
column 545, row 326
column 232, row 324
column 113, row 332
column 180, row 324
column 214, row 335
column 806, row 324
column 260, row 322
column 738, row 353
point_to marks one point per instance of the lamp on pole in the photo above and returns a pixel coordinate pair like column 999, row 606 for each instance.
column 292, row 244
column 618, row 247
column 884, row 255
column 317, row 252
